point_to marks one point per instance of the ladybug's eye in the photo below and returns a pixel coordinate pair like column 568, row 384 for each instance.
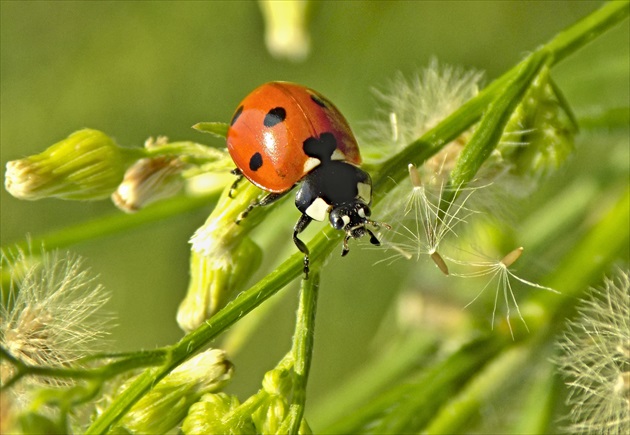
column 339, row 218
column 365, row 212
column 337, row 223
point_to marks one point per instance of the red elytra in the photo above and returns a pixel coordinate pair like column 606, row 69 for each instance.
column 268, row 130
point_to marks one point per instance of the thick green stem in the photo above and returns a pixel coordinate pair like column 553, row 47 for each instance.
column 490, row 129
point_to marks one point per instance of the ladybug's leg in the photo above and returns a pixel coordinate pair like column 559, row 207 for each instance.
column 299, row 227
column 239, row 177
column 266, row 200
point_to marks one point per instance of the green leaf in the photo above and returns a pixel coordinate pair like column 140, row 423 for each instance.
column 218, row 129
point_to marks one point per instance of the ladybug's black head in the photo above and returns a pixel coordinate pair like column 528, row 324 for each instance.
column 353, row 218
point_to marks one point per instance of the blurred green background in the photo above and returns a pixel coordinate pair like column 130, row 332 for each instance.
column 140, row 69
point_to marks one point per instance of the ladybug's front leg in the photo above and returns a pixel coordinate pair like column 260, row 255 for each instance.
column 266, row 200
column 299, row 227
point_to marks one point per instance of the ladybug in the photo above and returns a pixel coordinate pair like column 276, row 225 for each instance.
column 284, row 134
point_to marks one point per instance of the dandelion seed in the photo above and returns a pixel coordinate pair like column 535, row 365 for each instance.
column 595, row 360
column 52, row 316
column 500, row 271
column 422, row 228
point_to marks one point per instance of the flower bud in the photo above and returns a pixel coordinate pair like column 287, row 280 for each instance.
column 167, row 404
column 269, row 417
column 222, row 258
column 278, row 382
column 147, row 181
column 286, row 35
column 207, row 417
column 86, row 165
column 540, row 133
column 213, row 279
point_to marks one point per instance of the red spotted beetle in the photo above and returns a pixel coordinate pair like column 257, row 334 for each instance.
column 283, row 134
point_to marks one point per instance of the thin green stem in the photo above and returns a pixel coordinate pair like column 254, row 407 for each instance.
column 537, row 415
column 302, row 349
column 133, row 361
column 112, row 224
column 587, row 29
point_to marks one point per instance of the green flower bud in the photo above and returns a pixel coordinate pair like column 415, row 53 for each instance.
column 207, row 417
column 278, row 382
column 147, row 181
column 286, row 33
column 86, row 165
column 223, row 258
column 167, row 404
column 213, row 280
column 540, row 133
column 269, row 417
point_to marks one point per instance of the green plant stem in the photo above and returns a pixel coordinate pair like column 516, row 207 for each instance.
column 132, row 361
column 490, row 129
column 603, row 243
column 302, row 349
column 587, row 29
column 112, row 224
column 538, row 405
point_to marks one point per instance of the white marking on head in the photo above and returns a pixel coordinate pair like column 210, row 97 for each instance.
column 365, row 192
column 361, row 212
column 345, row 219
column 318, row 209
column 310, row 164
column 338, row 155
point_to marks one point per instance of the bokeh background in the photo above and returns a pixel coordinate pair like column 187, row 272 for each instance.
column 135, row 69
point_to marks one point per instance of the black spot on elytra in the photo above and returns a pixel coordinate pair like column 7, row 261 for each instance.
column 236, row 115
column 255, row 162
column 318, row 101
column 275, row 116
column 320, row 148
